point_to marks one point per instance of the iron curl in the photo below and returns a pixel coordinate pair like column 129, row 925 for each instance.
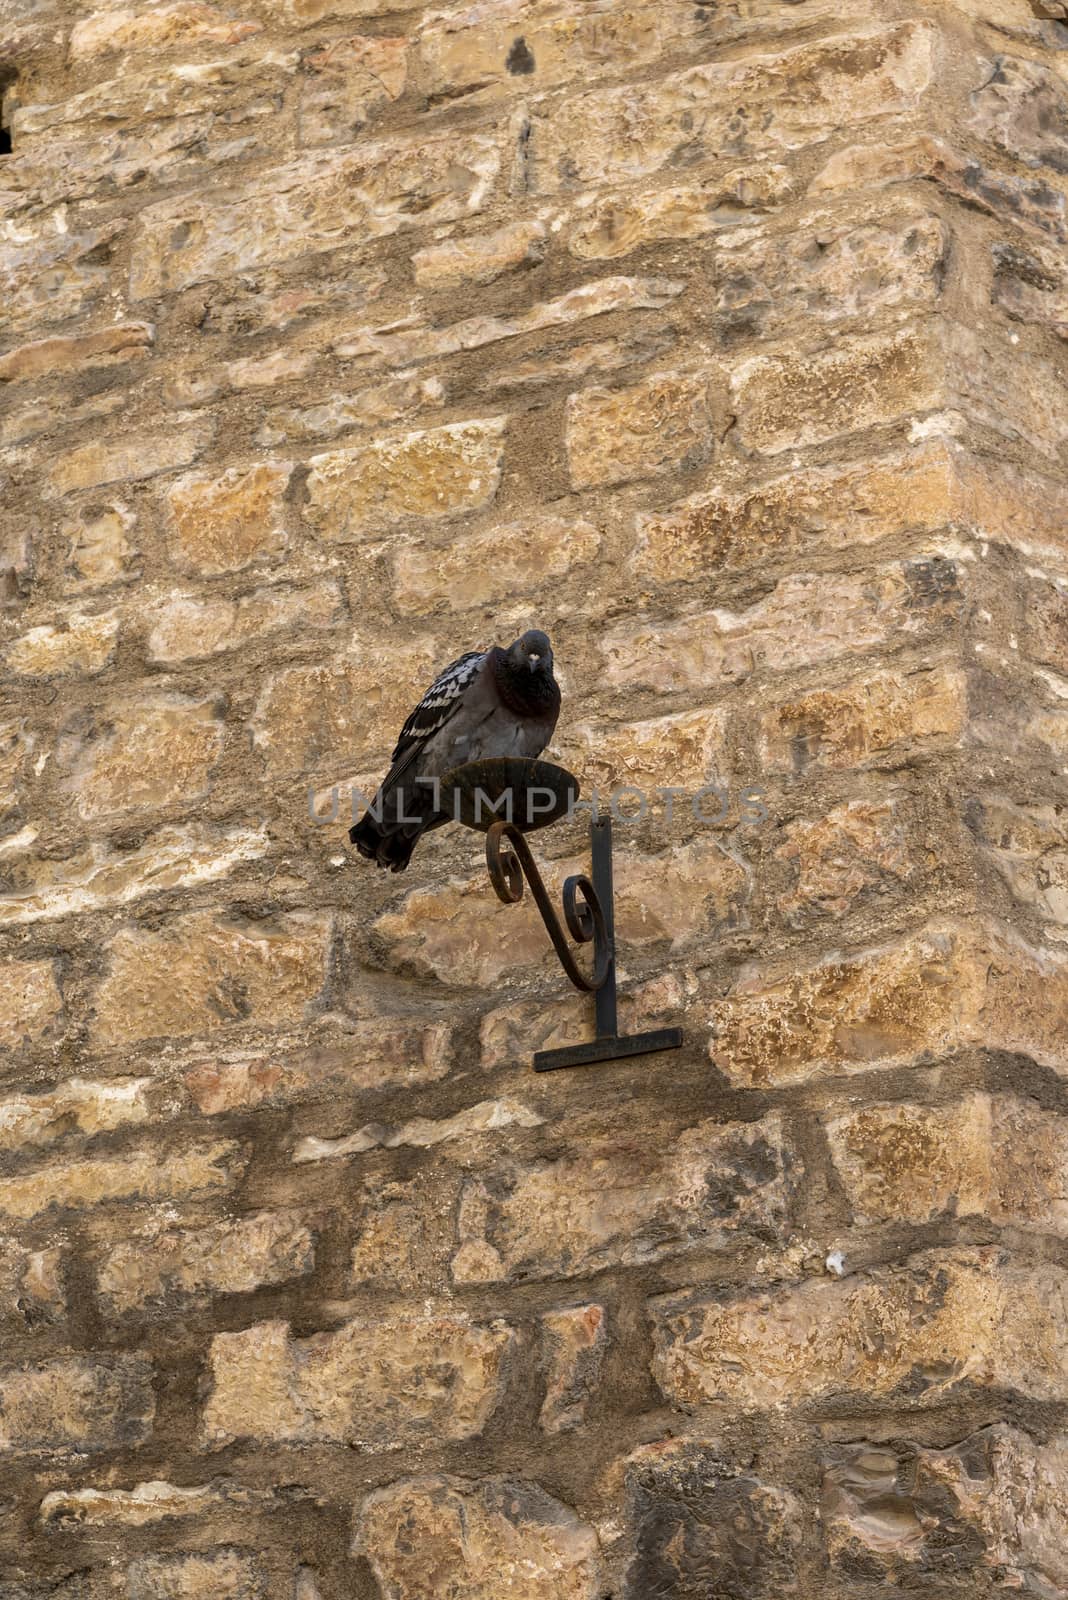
column 509, row 861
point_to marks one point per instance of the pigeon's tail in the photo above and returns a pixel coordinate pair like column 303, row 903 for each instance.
column 387, row 844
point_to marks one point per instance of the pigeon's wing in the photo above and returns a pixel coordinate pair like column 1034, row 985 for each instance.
column 441, row 701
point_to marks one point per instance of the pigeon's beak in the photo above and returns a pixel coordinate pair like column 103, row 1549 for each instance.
column 534, row 660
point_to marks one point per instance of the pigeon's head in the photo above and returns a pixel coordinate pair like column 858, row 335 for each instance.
column 532, row 652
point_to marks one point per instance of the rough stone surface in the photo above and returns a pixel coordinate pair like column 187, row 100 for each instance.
column 727, row 343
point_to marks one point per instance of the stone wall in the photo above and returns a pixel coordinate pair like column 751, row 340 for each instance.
column 725, row 341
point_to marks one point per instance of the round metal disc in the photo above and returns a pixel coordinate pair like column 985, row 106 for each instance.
column 530, row 794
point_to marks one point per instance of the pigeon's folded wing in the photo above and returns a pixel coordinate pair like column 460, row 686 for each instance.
column 441, row 701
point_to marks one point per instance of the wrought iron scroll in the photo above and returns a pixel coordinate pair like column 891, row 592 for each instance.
column 509, row 861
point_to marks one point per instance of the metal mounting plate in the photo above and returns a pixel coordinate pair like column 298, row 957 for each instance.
column 584, row 1055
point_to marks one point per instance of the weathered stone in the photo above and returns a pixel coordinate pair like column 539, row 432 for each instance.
column 988, row 1156
column 480, row 258
column 315, row 203
column 147, row 1175
column 381, row 1053
column 742, row 108
column 439, row 472
column 659, row 425
column 185, row 627
column 126, row 341
column 161, row 1269
column 865, row 721
column 784, row 401
column 992, row 1505
column 510, row 559
column 1029, row 285
column 31, row 1287
column 76, row 1103
column 442, row 1538
column 221, row 524
column 373, row 407
column 209, row 1575
column 938, row 990
column 198, row 385
column 853, row 850
column 700, row 1189
column 50, row 272
column 807, row 618
column 205, row 972
column 145, row 755
column 684, row 751
column 510, row 1033
column 100, row 550
column 573, row 1348
column 1022, row 108
column 351, row 80
column 129, row 460
column 405, row 1233
column 32, row 1002
column 82, row 644
column 77, row 1404
column 597, row 299
column 182, row 23
column 699, row 1527
column 32, row 888
column 488, row 1116
column 144, row 1504
column 915, row 1332
column 374, row 1385
column 1029, row 847
column 607, row 228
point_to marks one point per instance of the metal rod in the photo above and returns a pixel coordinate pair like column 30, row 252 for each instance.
column 601, row 852
column 509, row 861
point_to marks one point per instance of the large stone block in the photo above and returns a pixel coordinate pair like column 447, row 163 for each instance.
column 144, row 755
column 83, row 644
column 432, row 473
column 574, row 1340
column 179, row 24
column 480, row 258
column 349, row 82
column 220, row 524
column 184, row 627
column 942, row 989
column 77, row 1404
column 32, row 1002
column 613, row 1205
column 146, row 1174
column 126, row 341
column 742, row 108
column 128, row 460
column 656, row 426
column 319, row 202
column 512, row 558
column 205, row 972
column 384, row 1384
column 164, row 1269
column 915, row 1333
column 204, row 1575
column 1021, row 107
column 32, row 1295
column 879, row 718
column 442, row 1538
column 74, row 1105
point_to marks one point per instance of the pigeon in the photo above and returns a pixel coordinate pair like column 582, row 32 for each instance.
column 486, row 704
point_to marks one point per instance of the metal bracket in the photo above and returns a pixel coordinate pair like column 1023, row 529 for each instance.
column 589, row 919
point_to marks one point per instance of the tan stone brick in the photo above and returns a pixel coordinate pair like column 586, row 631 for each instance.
column 807, row 618
column 315, row 203
column 302, row 13
column 125, row 460
column 606, row 228
column 687, row 751
column 182, row 23
column 512, row 558
column 125, row 341
column 941, row 989
column 656, row 426
column 1022, row 109
column 446, row 1537
column 1029, row 847
column 145, row 1175
column 393, row 400
column 834, row 859
column 404, row 1233
column 480, row 258
column 220, row 524
column 77, row 1403
column 184, row 627
column 51, row 272
column 349, row 82
column 432, row 473
column 615, row 135
column 31, row 1287
column 146, row 754
column 703, row 1188
column 205, row 972
column 15, row 746
column 988, row 1156
column 377, row 1385
column 1030, row 286
column 204, row 1575
column 160, row 1269
column 101, row 876
column 951, row 1318
column 422, row 1133
column 782, row 402
column 866, row 721
column 573, row 1345
column 32, row 1001
column 143, row 1505
column 381, row 1052
column 76, row 1103
column 100, row 549
column 82, row 643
